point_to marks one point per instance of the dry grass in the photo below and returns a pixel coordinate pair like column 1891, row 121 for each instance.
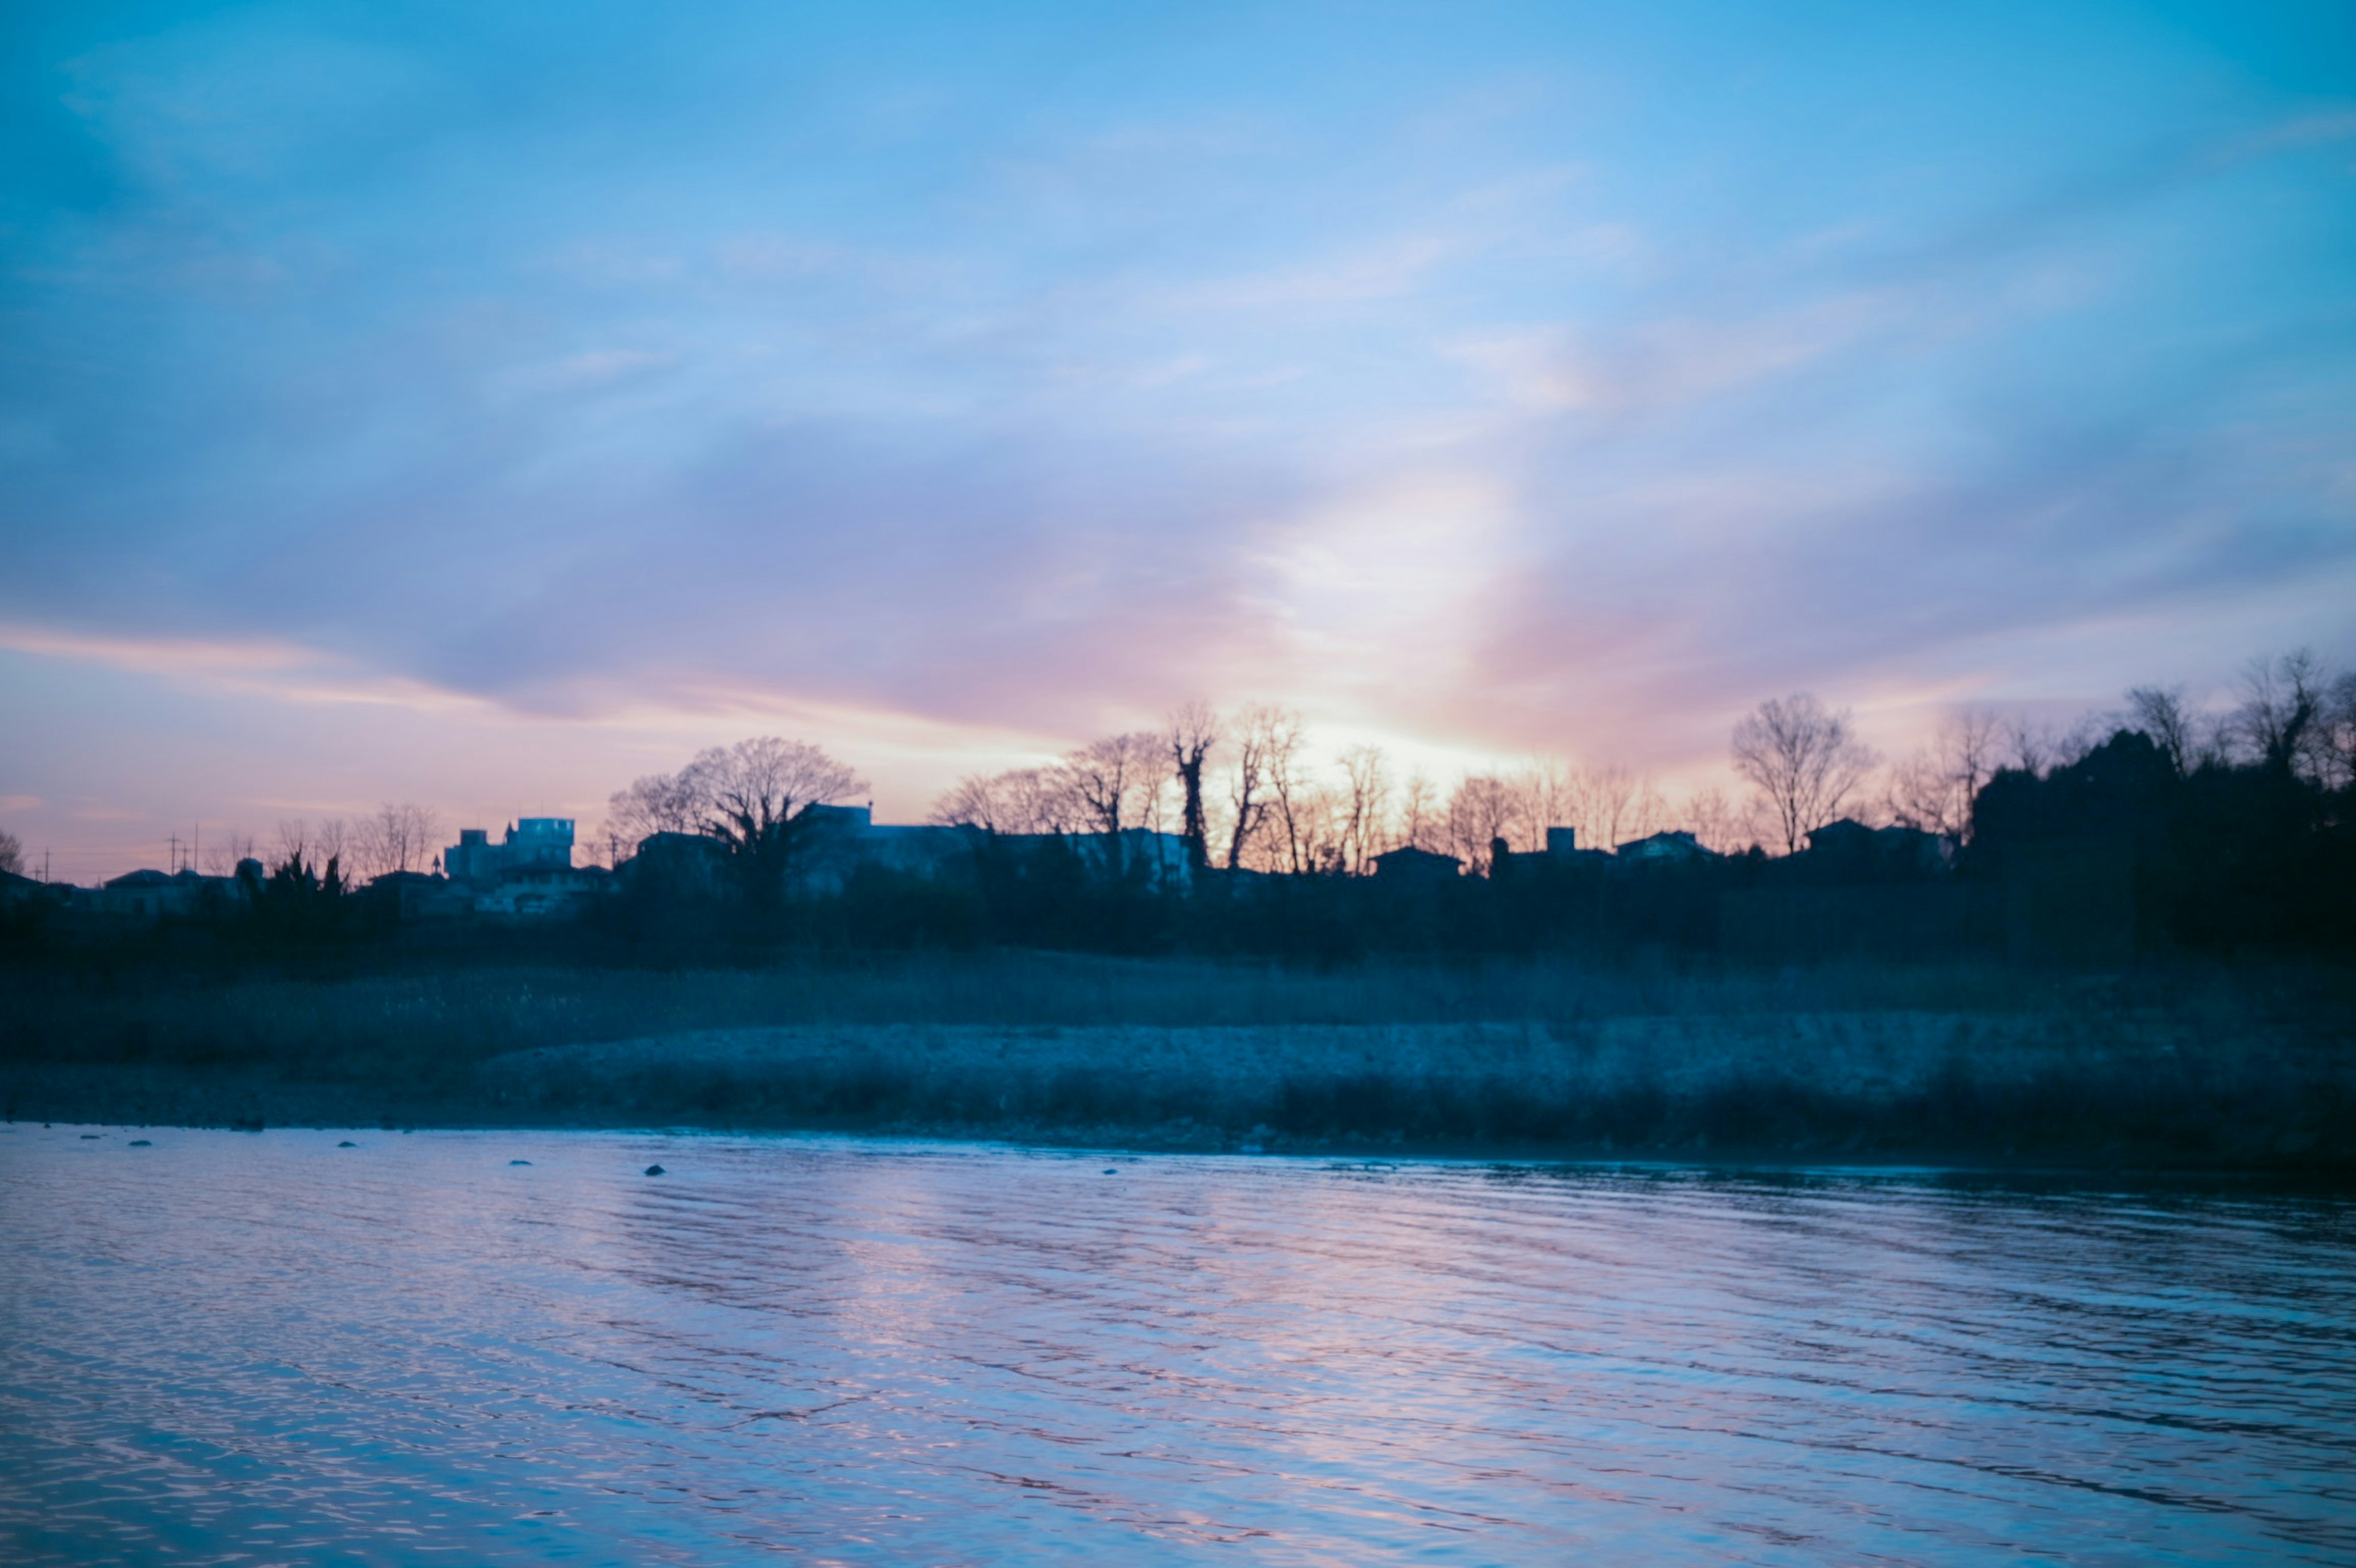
column 2247, row 1066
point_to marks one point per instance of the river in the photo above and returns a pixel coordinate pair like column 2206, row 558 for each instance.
column 267, row 1347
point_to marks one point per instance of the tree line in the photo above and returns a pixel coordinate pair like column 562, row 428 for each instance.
column 2242, row 815
column 1246, row 790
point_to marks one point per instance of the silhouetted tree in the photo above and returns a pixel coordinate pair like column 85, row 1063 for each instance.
column 659, row 802
column 1805, row 761
column 1021, row 800
column 1194, row 730
column 755, row 797
column 1610, row 805
column 1420, row 823
column 1254, row 729
column 397, row 839
column 2286, row 717
column 1367, row 807
column 2334, row 733
column 2161, row 714
column 1114, row 781
column 1933, row 789
column 1294, row 807
column 1479, row 813
column 12, row 854
column 225, row 848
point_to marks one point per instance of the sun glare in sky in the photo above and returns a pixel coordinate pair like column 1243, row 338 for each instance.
column 486, row 404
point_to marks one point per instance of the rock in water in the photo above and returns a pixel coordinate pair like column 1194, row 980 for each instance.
column 141, row 1143
column 348, row 1144
column 654, row 1170
column 519, row 1162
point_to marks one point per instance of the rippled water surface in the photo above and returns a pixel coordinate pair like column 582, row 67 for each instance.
column 267, row 1348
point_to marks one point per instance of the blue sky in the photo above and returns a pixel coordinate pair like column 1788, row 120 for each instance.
column 488, row 403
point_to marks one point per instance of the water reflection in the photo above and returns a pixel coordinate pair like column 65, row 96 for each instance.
column 273, row 1348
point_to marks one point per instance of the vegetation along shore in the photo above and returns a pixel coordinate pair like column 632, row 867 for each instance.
column 2241, row 1067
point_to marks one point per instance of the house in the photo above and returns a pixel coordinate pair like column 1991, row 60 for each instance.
column 1411, row 865
column 676, row 865
column 1850, row 846
column 413, row 895
column 18, row 891
column 1561, row 852
column 839, row 839
column 1672, row 848
column 154, row 895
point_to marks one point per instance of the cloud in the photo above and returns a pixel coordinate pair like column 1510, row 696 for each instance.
column 284, row 671
column 1489, row 390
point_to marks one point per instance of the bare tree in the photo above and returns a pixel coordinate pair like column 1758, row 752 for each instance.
column 1021, row 800
column 1935, row 788
column 1803, row 760
column 331, row 846
column 1421, row 826
column 1717, row 823
column 1194, row 730
column 12, row 854
column 1248, row 780
column 745, row 793
column 2284, row 716
column 1116, row 781
column 2335, row 735
column 396, row 839
column 1044, row 800
column 659, row 802
column 229, row 848
column 1366, row 805
column 1611, row 804
column 2039, row 749
column 1544, row 796
column 1294, row 806
column 975, row 800
column 2161, row 714
column 321, row 850
column 1480, row 813
column 2029, row 745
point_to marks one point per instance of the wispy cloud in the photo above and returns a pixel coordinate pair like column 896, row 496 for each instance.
column 1488, row 382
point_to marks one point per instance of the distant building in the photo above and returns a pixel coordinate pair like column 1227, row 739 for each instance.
column 1673, row 848
column 1409, row 864
column 839, row 839
column 676, row 865
column 16, row 891
column 415, row 895
column 1851, row 844
column 533, row 841
column 153, row 895
column 531, row 874
column 1561, row 853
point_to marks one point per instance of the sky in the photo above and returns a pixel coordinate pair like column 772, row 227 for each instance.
column 486, row 403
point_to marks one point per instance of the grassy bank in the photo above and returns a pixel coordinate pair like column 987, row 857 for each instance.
column 2219, row 1067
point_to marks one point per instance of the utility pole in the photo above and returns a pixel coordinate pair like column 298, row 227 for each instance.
column 175, row 861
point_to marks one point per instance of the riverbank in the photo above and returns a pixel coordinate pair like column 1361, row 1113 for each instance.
column 2221, row 1069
